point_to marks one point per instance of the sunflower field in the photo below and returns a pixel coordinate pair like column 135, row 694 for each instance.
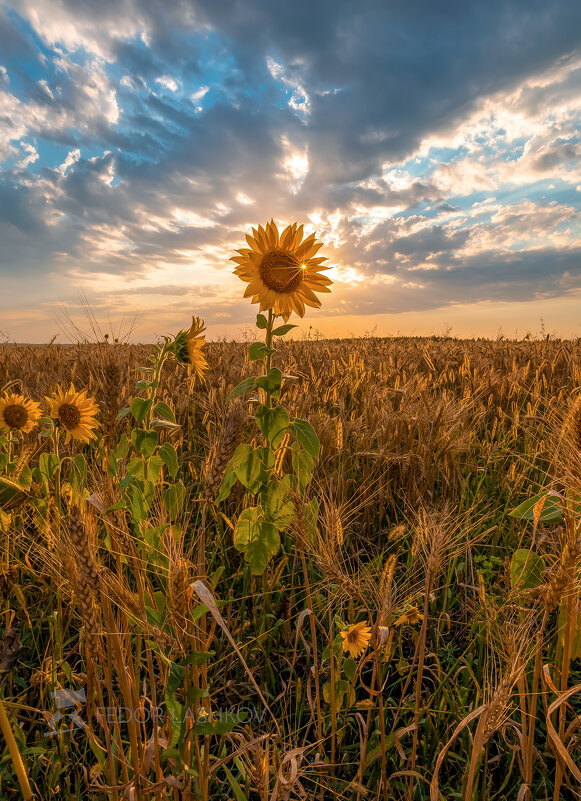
column 290, row 569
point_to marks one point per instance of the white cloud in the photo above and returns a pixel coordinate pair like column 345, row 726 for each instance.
column 167, row 82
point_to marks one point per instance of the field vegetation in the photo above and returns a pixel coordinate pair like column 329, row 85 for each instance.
column 291, row 569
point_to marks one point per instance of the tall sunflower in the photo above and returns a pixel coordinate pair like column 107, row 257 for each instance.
column 18, row 413
column 75, row 413
column 189, row 345
column 281, row 270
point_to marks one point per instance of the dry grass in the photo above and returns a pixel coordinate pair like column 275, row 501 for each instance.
column 427, row 445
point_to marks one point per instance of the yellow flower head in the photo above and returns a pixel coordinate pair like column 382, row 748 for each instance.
column 189, row 345
column 75, row 413
column 356, row 639
column 18, row 413
column 281, row 271
column 410, row 618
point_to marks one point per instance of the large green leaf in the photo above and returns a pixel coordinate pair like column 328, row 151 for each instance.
column 140, row 407
column 256, row 539
column 243, row 388
column 307, row 437
column 257, row 350
column 273, row 423
column 227, row 483
column 170, row 458
column 277, row 504
column 270, row 382
column 552, row 508
column 303, row 464
column 145, row 441
column 526, row 569
column 175, row 497
column 262, row 548
column 249, row 467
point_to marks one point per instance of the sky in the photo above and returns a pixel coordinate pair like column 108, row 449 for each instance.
column 435, row 148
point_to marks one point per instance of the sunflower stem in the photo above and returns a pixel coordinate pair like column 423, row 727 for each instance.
column 57, row 475
column 268, row 342
column 152, row 389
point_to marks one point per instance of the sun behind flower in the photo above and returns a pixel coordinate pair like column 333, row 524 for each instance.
column 356, row 639
column 18, row 413
column 75, row 413
column 281, row 271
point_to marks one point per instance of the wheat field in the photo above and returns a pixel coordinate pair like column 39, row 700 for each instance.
column 371, row 594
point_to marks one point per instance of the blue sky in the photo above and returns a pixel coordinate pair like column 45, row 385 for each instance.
column 434, row 147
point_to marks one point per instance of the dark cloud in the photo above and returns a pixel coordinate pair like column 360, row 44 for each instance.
column 374, row 80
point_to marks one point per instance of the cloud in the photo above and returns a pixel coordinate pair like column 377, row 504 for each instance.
column 140, row 139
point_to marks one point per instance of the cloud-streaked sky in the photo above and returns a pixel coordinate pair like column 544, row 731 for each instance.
column 434, row 147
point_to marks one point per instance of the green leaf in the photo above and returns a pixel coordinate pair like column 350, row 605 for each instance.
column 170, row 458
column 552, row 508
column 261, row 321
column 249, row 467
column 277, row 504
column 303, row 464
column 257, row 351
column 349, row 668
column 78, row 475
column 307, row 437
column 145, row 441
column 341, row 689
column 175, row 497
column 243, row 388
column 227, row 483
column 123, row 413
column 256, row 539
column 282, row 330
column 140, row 408
column 273, row 423
column 222, row 724
column 25, row 477
column 136, row 467
column 270, row 382
column 137, row 505
column 154, row 465
column 47, row 464
column 122, row 448
column 246, row 527
column 526, row 569
column 162, row 410
column 262, row 548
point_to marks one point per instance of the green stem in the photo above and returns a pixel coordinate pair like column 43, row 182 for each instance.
column 268, row 342
column 57, row 475
column 17, row 763
column 152, row 390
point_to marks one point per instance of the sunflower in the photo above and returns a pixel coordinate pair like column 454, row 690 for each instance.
column 74, row 412
column 188, row 347
column 281, row 271
column 18, row 413
column 356, row 639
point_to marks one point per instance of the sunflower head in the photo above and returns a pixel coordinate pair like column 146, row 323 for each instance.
column 188, row 347
column 75, row 413
column 18, row 413
column 356, row 639
column 282, row 270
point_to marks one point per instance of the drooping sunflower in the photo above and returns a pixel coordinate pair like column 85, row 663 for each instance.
column 356, row 639
column 189, row 345
column 18, row 413
column 282, row 270
column 75, row 413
